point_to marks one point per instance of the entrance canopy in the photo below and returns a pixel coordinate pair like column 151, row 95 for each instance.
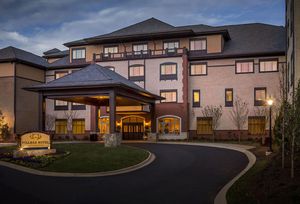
column 98, row 86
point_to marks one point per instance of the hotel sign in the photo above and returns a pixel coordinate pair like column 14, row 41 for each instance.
column 35, row 140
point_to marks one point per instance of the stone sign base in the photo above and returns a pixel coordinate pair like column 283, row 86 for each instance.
column 32, row 152
column 112, row 140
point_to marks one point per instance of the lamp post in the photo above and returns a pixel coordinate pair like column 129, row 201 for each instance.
column 270, row 103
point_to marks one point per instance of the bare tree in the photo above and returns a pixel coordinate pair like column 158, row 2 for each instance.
column 214, row 112
column 49, row 122
column 239, row 114
column 70, row 115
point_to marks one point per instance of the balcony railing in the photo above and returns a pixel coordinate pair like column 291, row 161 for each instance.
column 139, row 54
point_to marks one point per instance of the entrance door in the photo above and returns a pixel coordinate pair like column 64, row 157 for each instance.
column 133, row 131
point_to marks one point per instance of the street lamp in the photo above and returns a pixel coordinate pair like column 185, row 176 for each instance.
column 270, row 103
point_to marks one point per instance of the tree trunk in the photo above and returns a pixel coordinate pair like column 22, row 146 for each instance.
column 292, row 154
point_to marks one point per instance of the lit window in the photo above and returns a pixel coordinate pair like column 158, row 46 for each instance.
column 256, row 125
column 245, row 67
column 140, row 49
column 198, row 69
column 136, row 73
column 196, row 98
column 110, row 50
column 61, row 126
column 104, row 125
column 199, row 44
column 169, row 125
column 204, row 126
column 169, row 95
column 171, row 46
column 168, row 71
column 260, row 96
column 78, row 126
column 78, row 54
column 228, row 97
column 268, row 65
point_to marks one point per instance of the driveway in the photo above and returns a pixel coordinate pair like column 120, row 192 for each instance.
column 180, row 174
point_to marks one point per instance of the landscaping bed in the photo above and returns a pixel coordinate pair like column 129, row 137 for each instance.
column 266, row 182
column 80, row 158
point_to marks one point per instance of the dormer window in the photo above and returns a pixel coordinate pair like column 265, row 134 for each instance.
column 198, row 44
column 171, row 46
column 78, row 53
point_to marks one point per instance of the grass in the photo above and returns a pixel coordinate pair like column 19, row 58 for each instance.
column 88, row 158
column 266, row 182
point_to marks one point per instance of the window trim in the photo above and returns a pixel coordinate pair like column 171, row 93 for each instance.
column 140, row 43
column 194, row 39
column 82, row 48
column 78, row 107
column 256, row 102
column 62, row 107
column 169, row 41
column 198, row 63
column 168, row 116
column 196, row 104
column 169, row 90
column 136, row 78
column 241, row 61
column 229, row 103
column 268, row 60
column 109, row 54
column 165, row 77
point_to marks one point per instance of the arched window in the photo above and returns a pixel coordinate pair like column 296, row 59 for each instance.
column 169, row 125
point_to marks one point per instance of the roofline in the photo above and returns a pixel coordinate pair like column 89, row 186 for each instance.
column 67, row 66
column 55, row 56
column 187, row 32
column 24, row 62
column 225, row 56
column 145, row 92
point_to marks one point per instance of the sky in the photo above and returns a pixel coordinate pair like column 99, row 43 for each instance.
column 40, row 25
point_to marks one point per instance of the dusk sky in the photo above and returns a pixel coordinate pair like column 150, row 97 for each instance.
column 39, row 25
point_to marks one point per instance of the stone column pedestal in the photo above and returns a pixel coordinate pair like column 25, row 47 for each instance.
column 112, row 140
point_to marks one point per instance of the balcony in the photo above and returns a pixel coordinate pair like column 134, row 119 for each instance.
column 145, row 54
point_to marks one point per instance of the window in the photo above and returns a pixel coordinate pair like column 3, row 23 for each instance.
column 256, row 125
column 169, row 125
column 196, row 98
column 228, row 97
column 244, row 67
column 77, row 106
column 140, row 49
column 198, row 69
column 169, row 95
column 204, row 126
column 110, row 49
column 268, row 65
column 198, row 44
column 260, row 95
column 104, row 125
column 78, row 126
column 60, row 105
column 136, row 73
column 168, row 71
column 78, row 53
column 61, row 126
column 171, row 46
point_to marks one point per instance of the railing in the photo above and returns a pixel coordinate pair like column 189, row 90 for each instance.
column 139, row 54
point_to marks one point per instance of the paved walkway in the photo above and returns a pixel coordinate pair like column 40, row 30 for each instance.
column 180, row 174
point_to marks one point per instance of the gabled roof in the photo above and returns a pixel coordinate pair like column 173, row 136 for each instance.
column 57, row 54
column 54, row 50
column 10, row 53
column 93, row 75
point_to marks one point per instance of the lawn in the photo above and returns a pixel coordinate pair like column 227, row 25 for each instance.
column 87, row 158
column 266, row 182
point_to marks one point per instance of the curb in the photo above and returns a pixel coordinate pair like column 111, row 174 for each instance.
column 135, row 167
column 221, row 196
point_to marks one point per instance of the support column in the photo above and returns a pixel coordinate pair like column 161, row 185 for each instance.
column 97, row 118
column 153, row 119
column 112, row 112
column 41, row 124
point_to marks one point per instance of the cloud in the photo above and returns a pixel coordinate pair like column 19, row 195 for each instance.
column 41, row 25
